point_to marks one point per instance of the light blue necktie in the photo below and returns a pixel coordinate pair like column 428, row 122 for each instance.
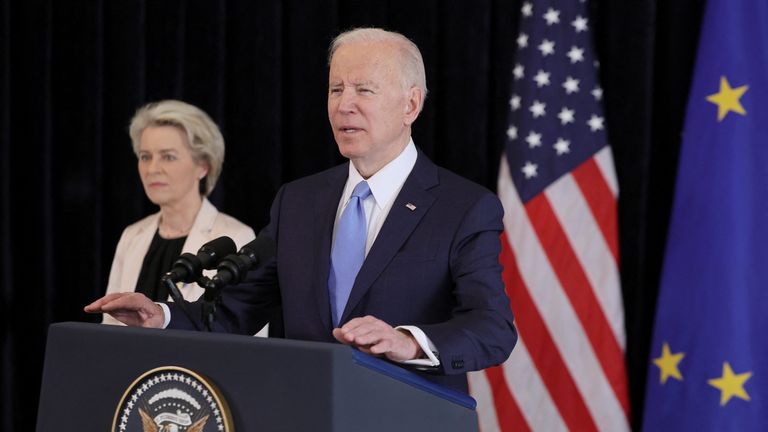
column 348, row 251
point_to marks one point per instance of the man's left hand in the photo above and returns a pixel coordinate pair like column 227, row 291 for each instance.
column 373, row 336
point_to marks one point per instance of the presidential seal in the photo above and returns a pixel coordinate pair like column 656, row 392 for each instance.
column 172, row 399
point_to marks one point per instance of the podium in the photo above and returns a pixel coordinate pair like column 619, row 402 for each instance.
column 268, row 384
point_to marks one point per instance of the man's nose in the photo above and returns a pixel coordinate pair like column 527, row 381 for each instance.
column 348, row 100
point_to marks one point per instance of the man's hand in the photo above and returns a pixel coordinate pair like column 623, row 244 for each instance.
column 373, row 336
column 133, row 309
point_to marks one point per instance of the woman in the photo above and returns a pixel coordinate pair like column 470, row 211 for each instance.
column 180, row 153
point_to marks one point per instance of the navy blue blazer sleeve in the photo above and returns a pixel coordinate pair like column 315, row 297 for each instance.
column 480, row 332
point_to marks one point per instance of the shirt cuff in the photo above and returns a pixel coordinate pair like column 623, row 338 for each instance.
column 426, row 345
column 166, row 314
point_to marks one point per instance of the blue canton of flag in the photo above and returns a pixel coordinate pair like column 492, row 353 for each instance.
column 709, row 359
column 556, row 121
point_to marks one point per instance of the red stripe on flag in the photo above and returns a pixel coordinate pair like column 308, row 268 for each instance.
column 579, row 291
column 541, row 347
column 508, row 414
column 600, row 200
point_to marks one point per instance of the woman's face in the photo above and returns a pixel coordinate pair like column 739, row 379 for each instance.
column 169, row 173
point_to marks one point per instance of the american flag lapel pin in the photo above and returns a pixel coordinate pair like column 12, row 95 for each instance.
column 411, row 207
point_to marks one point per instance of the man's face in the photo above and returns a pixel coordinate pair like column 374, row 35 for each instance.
column 369, row 109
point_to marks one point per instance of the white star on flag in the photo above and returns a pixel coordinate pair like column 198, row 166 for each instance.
column 541, row 78
column 529, row 170
column 522, row 40
column 547, row 47
column 518, row 71
column 595, row 123
column 571, row 85
column 527, row 9
column 576, row 54
column 597, row 93
column 552, row 16
column 538, row 109
column 514, row 102
column 580, row 24
column 533, row 139
column 566, row 116
column 512, row 133
column 562, row 146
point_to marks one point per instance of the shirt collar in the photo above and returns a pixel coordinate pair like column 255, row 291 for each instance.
column 389, row 179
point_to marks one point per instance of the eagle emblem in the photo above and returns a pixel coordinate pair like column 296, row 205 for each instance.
column 172, row 399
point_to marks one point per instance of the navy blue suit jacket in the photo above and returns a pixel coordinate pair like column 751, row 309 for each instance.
column 436, row 267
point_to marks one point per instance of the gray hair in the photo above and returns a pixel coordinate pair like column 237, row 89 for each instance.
column 412, row 63
column 205, row 140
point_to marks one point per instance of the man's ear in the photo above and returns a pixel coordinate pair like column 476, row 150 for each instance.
column 413, row 101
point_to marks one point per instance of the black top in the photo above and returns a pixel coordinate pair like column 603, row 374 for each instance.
column 158, row 261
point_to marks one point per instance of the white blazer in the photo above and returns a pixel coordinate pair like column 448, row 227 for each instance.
column 134, row 244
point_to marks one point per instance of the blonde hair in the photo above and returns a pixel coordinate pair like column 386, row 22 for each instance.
column 411, row 62
column 205, row 140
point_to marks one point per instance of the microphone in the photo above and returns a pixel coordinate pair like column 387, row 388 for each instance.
column 233, row 268
column 188, row 267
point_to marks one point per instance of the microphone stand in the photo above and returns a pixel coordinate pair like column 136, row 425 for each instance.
column 211, row 300
column 178, row 298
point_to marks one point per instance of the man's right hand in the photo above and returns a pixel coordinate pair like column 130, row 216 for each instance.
column 133, row 309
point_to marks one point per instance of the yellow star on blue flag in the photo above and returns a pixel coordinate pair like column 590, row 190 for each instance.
column 731, row 384
column 727, row 99
column 667, row 364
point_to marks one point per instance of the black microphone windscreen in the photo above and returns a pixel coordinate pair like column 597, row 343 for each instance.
column 259, row 250
column 212, row 252
column 232, row 269
column 186, row 268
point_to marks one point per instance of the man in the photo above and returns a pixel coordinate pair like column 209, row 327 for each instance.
column 422, row 285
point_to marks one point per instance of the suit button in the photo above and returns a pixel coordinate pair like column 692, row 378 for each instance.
column 458, row 364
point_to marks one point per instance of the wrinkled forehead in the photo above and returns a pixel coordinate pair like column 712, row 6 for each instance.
column 365, row 61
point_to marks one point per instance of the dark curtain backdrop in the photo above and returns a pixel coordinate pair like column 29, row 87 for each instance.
column 73, row 72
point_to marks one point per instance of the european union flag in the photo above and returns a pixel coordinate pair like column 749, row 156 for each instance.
column 709, row 359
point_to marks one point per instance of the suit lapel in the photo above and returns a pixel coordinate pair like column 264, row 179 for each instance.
column 201, row 229
column 410, row 206
column 326, row 202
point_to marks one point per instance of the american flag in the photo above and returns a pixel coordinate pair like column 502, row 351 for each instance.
column 560, row 246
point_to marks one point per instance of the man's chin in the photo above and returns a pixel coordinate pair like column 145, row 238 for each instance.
column 350, row 148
